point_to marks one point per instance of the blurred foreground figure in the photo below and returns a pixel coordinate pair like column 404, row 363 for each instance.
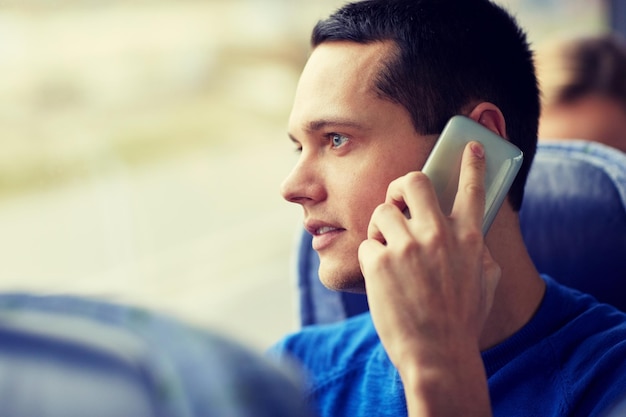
column 76, row 357
column 583, row 82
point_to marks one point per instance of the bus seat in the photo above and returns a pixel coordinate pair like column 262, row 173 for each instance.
column 574, row 217
column 72, row 357
column 573, row 220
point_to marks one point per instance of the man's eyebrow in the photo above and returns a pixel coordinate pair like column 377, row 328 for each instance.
column 317, row 125
column 321, row 124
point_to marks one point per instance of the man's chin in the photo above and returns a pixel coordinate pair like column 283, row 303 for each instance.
column 344, row 280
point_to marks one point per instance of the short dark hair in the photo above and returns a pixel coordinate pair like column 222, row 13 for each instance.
column 575, row 67
column 451, row 54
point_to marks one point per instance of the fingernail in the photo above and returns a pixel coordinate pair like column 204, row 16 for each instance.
column 477, row 149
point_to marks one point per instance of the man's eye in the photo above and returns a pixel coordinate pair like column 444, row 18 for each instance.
column 337, row 140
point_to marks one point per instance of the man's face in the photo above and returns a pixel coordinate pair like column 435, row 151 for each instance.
column 353, row 144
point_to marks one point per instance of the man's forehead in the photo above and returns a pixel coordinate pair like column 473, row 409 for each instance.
column 338, row 77
column 344, row 62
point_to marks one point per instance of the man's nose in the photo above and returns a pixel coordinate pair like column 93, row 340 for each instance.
column 303, row 184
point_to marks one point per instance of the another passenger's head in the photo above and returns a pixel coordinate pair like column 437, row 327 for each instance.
column 583, row 83
column 450, row 55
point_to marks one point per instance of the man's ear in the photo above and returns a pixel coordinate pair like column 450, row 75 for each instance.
column 490, row 116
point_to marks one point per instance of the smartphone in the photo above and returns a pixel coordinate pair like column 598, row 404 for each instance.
column 443, row 166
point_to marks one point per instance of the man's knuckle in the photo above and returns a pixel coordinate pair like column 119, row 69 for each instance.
column 472, row 237
column 417, row 178
column 474, row 189
column 434, row 237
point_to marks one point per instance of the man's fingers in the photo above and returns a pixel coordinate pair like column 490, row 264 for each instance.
column 388, row 221
column 491, row 274
column 415, row 191
column 469, row 204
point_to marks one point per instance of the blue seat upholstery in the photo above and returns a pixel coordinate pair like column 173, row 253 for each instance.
column 574, row 217
column 75, row 357
column 573, row 220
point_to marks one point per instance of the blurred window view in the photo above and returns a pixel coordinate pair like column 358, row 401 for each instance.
column 143, row 144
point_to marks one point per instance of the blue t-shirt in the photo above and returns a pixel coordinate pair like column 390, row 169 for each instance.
column 568, row 360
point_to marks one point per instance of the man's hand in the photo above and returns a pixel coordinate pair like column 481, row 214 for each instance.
column 430, row 283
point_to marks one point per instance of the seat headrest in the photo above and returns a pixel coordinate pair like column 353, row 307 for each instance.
column 573, row 217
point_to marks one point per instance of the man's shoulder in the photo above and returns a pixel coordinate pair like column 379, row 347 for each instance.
column 575, row 325
column 324, row 350
column 570, row 331
column 582, row 317
column 348, row 370
column 570, row 356
column 348, row 335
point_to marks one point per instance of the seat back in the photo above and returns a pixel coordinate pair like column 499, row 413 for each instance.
column 73, row 357
column 574, row 217
column 573, row 221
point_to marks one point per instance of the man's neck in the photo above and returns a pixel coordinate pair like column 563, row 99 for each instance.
column 520, row 290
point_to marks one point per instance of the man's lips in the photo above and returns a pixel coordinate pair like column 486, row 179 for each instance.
column 319, row 228
column 323, row 230
column 323, row 234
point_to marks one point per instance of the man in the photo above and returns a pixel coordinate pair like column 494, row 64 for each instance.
column 459, row 325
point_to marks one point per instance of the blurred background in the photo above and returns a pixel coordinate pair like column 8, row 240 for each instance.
column 142, row 144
